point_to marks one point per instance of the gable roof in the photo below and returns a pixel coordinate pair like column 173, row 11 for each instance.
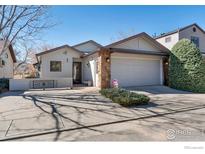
column 143, row 34
column 89, row 41
column 179, row 29
column 57, row 48
column 13, row 56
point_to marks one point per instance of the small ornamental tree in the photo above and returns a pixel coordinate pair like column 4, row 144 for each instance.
column 186, row 67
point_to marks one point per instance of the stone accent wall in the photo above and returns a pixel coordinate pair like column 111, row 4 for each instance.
column 166, row 71
column 104, row 61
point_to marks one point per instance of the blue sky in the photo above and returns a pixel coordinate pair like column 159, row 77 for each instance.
column 104, row 23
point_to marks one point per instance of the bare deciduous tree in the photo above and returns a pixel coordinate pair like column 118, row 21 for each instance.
column 24, row 67
column 26, row 54
column 29, row 53
column 22, row 23
column 44, row 47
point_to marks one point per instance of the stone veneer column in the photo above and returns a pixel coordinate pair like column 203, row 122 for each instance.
column 104, row 61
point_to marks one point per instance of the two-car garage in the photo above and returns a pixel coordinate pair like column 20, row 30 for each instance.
column 137, row 61
column 136, row 70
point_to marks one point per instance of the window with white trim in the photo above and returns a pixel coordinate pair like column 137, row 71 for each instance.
column 55, row 66
column 195, row 40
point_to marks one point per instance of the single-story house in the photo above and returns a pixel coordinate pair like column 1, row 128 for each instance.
column 135, row 61
column 7, row 60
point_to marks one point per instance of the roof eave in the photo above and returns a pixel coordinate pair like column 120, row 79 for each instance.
column 167, row 34
column 180, row 29
column 97, row 44
column 123, row 40
column 143, row 34
column 57, row 48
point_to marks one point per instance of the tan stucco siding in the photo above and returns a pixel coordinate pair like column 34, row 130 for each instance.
column 137, row 44
column 87, row 47
column 7, row 70
column 174, row 39
column 64, row 55
column 187, row 33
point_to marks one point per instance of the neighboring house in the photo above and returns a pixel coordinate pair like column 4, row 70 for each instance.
column 135, row 61
column 7, row 61
column 192, row 32
column 24, row 70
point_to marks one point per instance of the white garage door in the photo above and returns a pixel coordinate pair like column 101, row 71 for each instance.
column 135, row 72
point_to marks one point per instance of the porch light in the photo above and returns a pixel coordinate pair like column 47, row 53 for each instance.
column 108, row 59
column 88, row 64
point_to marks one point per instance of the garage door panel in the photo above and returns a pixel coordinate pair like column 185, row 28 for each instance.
column 135, row 72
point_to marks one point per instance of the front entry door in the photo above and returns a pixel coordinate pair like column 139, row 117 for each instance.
column 77, row 72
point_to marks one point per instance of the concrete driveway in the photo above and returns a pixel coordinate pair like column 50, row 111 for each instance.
column 84, row 115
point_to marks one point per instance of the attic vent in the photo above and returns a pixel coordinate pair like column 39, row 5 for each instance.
column 194, row 29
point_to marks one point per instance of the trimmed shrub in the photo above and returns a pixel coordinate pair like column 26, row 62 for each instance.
column 124, row 97
column 186, row 67
column 112, row 92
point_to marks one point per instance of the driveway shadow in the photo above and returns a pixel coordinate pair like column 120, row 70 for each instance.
column 11, row 93
column 55, row 113
column 41, row 101
column 156, row 90
column 149, row 105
